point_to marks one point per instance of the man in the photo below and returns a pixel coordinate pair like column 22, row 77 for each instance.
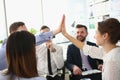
column 18, row 26
column 13, row 27
column 77, row 61
column 56, row 55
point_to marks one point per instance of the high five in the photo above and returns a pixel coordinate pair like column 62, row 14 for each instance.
column 107, row 35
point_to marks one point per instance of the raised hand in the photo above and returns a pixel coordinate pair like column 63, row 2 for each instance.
column 63, row 26
column 59, row 29
column 76, row 42
column 49, row 45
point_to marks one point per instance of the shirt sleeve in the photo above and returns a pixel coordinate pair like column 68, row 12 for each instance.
column 94, row 52
column 43, row 37
column 3, row 59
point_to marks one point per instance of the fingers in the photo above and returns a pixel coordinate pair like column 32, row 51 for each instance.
column 59, row 29
column 48, row 44
column 100, row 67
column 62, row 23
column 77, row 70
column 63, row 19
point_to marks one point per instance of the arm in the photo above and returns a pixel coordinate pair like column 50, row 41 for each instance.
column 59, row 29
column 3, row 58
column 91, row 50
column 69, row 61
column 43, row 37
column 77, row 43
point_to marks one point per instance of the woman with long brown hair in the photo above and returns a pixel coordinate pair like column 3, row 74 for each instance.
column 21, row 57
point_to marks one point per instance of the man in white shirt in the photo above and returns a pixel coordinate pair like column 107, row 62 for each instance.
column 56, row 54
column 20, row 26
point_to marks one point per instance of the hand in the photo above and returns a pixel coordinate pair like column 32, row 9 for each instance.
column 77, row 70
column 100, row 67
column 49, row 45
column 59, row 29
column 63, row 26
column 62, row 23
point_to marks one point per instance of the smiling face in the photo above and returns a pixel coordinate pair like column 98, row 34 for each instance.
column 99, row 38
column 81, row 34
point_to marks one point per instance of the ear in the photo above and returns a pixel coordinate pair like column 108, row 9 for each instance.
column 87, row 34
column 105, row 36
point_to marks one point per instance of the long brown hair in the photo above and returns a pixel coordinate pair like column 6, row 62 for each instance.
column 21, row 54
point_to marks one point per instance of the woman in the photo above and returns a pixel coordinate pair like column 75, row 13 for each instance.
column 21, row 57
column 107, row 35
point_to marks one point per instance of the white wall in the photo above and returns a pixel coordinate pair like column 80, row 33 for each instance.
column 28, row 11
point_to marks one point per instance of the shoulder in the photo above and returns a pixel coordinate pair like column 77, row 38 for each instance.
column 91, row 43
column 71, row 45
column 2, row 51
column 115, row 53
column 4, row 43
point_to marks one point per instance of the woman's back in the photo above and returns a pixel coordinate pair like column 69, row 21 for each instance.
column 21, row 57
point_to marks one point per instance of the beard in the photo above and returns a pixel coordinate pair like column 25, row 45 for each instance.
column 82, row 39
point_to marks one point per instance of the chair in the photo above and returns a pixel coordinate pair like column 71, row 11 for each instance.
column 61, row 72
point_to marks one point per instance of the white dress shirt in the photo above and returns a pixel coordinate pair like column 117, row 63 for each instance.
column 111, row 61
column 40, row 38
column 85, row 62
column 57, row 60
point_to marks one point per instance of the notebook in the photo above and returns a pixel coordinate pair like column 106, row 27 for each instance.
column 89, row 72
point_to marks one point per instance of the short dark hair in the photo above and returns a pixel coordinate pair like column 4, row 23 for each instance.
column 14, row 26
column 43, row 27
column 112, row 27
column 81, row 26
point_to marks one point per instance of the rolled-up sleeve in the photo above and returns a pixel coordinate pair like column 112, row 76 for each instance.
column 43, row 37
column 93, row 51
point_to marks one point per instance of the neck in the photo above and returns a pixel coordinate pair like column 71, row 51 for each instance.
column 109, row 47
